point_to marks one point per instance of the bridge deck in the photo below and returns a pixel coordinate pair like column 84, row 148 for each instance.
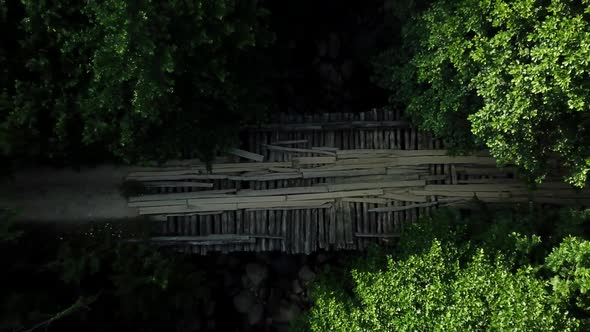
column 333, row 182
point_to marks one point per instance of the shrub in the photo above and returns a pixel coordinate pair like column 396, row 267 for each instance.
column 509, row 75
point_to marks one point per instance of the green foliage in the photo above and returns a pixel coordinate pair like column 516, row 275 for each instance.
column 570, row 263
column 433, row 292
column 104, row 284
column 503, row 270
column 510, row 75
column 145, row 79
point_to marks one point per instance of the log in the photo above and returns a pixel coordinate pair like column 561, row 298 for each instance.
column 266, row 177
column 195, row 194
column 184, row 184
column 297, row 150
column 213, row 239
column 480, row 194
column 284, row 191
column 365, row 200
column 312, row 174
column 312, row 161
column 402, row 208
column 307, row 126
column 173, row 202
column 373, row 235
column 406, row 197
column 475, row 187
column 410, row 161
column 335, row 195
column 376, row 185
column 291, row 142
column 246, row 154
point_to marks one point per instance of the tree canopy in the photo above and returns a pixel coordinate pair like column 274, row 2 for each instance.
column 491, row 271
column 509, row 75
column 139, row 79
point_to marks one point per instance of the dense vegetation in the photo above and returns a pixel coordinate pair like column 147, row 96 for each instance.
column 133, row 79
column 93, row 282
column 486, row 271
column 509, row 75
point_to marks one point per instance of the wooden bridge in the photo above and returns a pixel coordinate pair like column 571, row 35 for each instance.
column 331, row 181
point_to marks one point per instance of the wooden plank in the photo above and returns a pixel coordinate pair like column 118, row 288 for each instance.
column 297, row 161
column 480, row 194
column 325, row 148
column 433, row 177
column 183, row 196
column 340, row 225
column 314, row 229
column 306, row 234
column 246, row 154
column 297, row 150
column 284, row 228
column 186, row 209
column 179, row 177
column 322, row 240
column 235, row 199
column 388, row 152
column 290, row 142
column 331, row 214
column 284, row 191
column 475, row 187
column 406, row 197
column 299, row 204
column 283, row 170
column 266, row 177
column 307, row 126
column 377, row 185
column 174, row 202
column 409, row 161
column 402, row 208
column 365, row 200
column 272, row 227
column 335, row 194
column 348, row 225
column 375, row 235
column 210, row 240
column 184, row 184
column 311, row 173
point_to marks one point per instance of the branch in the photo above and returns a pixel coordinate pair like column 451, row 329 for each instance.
column 81, row 303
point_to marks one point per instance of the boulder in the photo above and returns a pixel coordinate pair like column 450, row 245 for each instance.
column 284, row 265
column 286, row 312
column 256, row 273
column 306, row 274
column 296, row 287
column 255, row 314
column 244, row 301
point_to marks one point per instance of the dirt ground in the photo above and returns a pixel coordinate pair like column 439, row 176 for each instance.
column 67, row 195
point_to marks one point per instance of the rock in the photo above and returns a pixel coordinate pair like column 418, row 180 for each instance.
column 306, row 274
column 322, row 48
column 255, row 314
column 321, row 258
column 256, row 273
column 263, row 292
column 333, row 46
column 244, row 301
column 210, row 308
column 286, row 312
column 330, row 74
column 346, row 69
column 284, row 265
column 296, row 287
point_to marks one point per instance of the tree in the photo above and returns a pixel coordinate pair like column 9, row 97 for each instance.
column 140, row 79
column 509, row 75
column 464, row 273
